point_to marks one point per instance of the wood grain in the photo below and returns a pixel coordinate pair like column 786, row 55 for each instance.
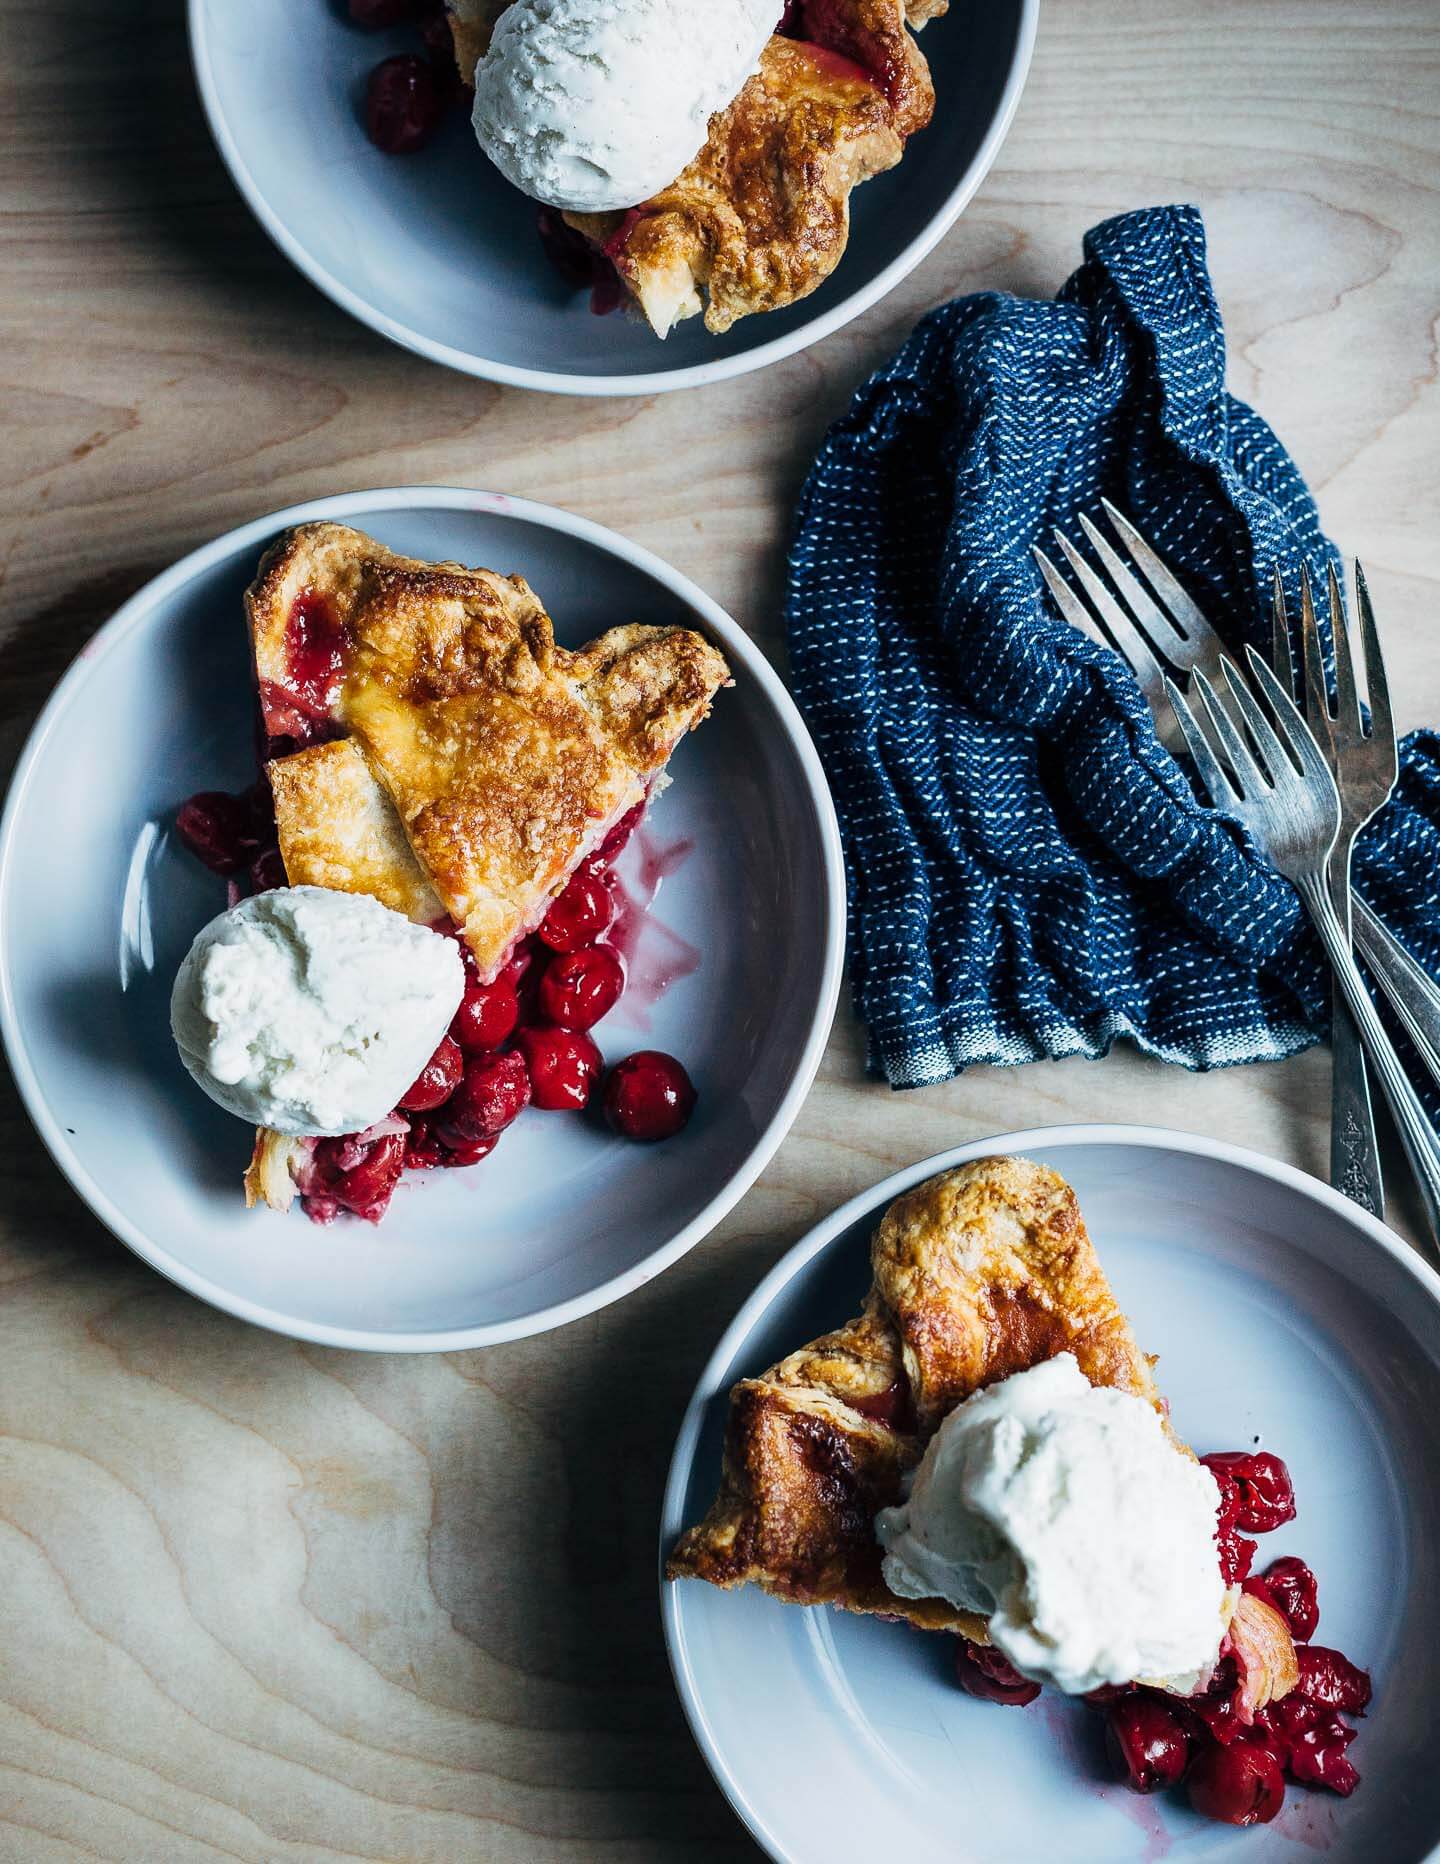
column 263, row 1601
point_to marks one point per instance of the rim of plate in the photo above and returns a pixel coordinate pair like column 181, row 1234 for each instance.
column 656, row 382
column 798, row 1258
column 133, row 615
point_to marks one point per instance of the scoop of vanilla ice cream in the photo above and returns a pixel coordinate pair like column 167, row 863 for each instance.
column 589, row 105
column 312, row 1012
column 1064, row 1513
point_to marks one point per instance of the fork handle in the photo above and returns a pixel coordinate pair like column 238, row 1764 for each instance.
column 1354, row 1153
column 1422, row 1146
column 1354, row 1149
column 1411, row 989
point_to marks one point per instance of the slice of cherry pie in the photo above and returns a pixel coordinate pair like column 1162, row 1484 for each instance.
column 502, row 759
column 979, row 1274
column 429, row 743
column 761, row 217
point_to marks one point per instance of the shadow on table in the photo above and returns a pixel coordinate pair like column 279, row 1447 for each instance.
column 126, row 121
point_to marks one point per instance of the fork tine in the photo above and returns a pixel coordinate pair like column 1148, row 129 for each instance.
column 1347, row 700
column 1317, row 692
column 1184, row 612
column 1250, row 779
column 1213, row 775
column 1262, row 733
column 1304, row 750
column 1128, row 638
column 1066, row 600
column 1160, row 629
column 1281, row 656
column 1382, row 723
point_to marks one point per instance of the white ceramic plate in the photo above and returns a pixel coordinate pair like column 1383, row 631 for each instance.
column 436, row 251
column 563, row 1218
column 1279, row 1311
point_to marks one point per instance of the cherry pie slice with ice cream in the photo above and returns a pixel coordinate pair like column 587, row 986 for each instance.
column 984, row 1451
column 760, row 216
column 430, row 747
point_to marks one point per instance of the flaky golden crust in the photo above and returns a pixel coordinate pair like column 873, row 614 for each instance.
column 1264, row 1653
column 339, row 829
column 505, row 756
column 270, row 1175
column 761, row 217
column 472, row 22
column 987, row 1270
column 878, row 35
column 978, row 1273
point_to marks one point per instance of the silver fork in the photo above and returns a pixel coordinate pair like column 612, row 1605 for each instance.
column 1174, row 629
column 1365, row 765
column 1287, row 799
column 1411, row 990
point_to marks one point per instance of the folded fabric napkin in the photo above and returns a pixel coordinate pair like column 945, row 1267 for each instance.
column 1030, row 871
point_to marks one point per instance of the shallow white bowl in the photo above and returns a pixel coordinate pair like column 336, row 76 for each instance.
column 564, row 1218
column 1281, row 1313
column 439, row 253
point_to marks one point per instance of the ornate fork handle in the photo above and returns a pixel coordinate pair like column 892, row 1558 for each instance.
column 1412, row 991
column 1421, row 1144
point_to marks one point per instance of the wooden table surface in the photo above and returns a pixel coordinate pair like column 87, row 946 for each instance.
column 267, row 1601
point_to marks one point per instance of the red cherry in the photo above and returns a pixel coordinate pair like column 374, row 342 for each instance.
column 487, row 1016
column 470, row 1152
column 520, row 961
column 1319, row 1758
column 892, row 1406
column 1309, row 1742
column 1269, row 1730
column 1236, row 1555
column 1289, row 1585
column 1267, row 1495
column 1148, row 1742
column 267, row 871
column 320, row 1207
column 219, row 830
column 1239, row 1785
column 317, row 647
column 564, row 1066
column 580, row 914
column 423, row 1151
column 359, row 1175
column 493, row 1091
column 439, row 42
column 648, row 1096
column 1331, row 1681
column 577, row 988
column 1216, row 1708
column 403, row 105
column 436, row 1081
column 983, row 1671
column 622, row 832
column 1228, row 1508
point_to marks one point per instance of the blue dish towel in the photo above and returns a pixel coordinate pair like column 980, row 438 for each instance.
column 1030, row 871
